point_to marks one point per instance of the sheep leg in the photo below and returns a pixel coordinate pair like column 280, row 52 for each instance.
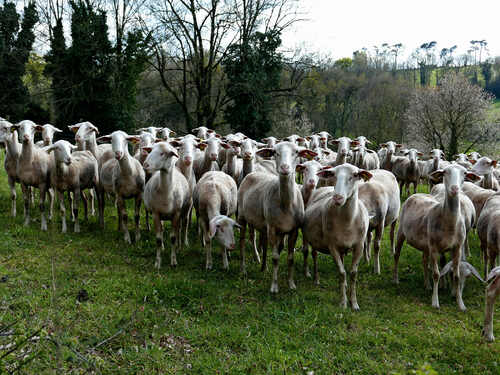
column 32, row 196
column 254, row 244
column 292, row 239
column 376, row 247
column 425, row 262
column 70, row 199
column 435, row 277
column 175, row 239
column 263, row 247
column 484, row 257
column 148, row 228
column 51, row 204
column 137, row 217
column 315, row 263
column 492, row 292
column 77, row 193
column 356, row 257
column 343, row 279
column 243, row 231
column 225, row 263
column 101, row 204
column 397, row 253
column 122, row 213
column 274, row 241
column 27, row 197
column 456, row 278
column 392, row 231
column 13, row 195
column 159, row 239
column 92, row 194
column 305, row 252
column 43, row 191
column 62, row 210
column 466, row 251
column 84, row 199
column 185, row 227
column 208, row 265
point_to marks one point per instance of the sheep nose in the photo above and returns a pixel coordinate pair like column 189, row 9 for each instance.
column 232, row 246
column 213, row 157
column 454, row 189
column 68, row 161
column 118, row 155
column 146, row 165
column 248, row 155
column 26, row 137
column 188, row 160
column 338, row 199
column 285, row 168
column 311, row 182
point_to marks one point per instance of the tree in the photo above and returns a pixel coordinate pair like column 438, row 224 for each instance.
column 253, row 70
column 16, row 41
column 451, row 116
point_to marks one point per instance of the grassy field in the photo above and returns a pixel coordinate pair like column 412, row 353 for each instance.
column 186, row 320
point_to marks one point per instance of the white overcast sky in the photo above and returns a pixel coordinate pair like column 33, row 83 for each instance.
column 338, row 28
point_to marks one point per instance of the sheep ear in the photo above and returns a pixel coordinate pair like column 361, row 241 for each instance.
column 326, row 173
column 473, row 161
column 446, row 269
column 308, row 154
column 325, row 151
column 265, row 152
column 301, row 139
column 133, row 139
column 57, row 130
column 355, row 149
column 104, row 139
column 364, row 174
column 202, row 145
column 474, row 272
column 174, row 153
column 210, row 131
column 420, row 154
column 367, row 141
column 175, row 143
column 74, row 147
column 235, row 223
column 308, row 138
column 172, row 133
column 399, row 145
column 383, row 145
column 494, row 163
column 437, row 176
column 300, row 168
column 74, row 128
column 13, row 128
column 212, row 228
column 148, row 149
column 354, row 143
column 472, row 177
column 235, row 143
column 38, row 128
column 334, row 142
column 225, row 145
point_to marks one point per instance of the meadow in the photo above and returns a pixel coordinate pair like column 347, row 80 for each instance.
column 88, row 303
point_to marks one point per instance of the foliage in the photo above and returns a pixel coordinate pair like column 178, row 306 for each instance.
column 452, row 116
column 16, row 40
column 38, row 86
column 253, row 70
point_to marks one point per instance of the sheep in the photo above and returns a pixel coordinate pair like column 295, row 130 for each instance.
column 150, row 129
column 387, row 156
column 380, row 195
column 292, row 138
column 463, row 161
column 344, row 144
column 167, row 195
column 273, row 205
column 477, row 195
column 466, row 270
column 270, row 141
column 365, row 158
column 406, row 170
column 492, row 292
column 85, row 138
column 432, row 165
column 474, row 156
column 73, row 172
column 233, row 165
column 206, row 160
column 8, row 137
column 165, row 134
column 215, row 200
column 336, row 221
column 248, row 154
column 202, row 132
column 33, row 169
column 435, row 226
column 488, row 230
column 125, row 178
column 323, row 138
column 48, row 132
column 484, row 166
column 466, row 207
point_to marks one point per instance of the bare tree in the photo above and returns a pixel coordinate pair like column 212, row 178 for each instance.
column 451, row 116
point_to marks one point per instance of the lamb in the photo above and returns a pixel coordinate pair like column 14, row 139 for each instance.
column 167, row 195
column 434, row 227
column 336, row 221
column 8, row 137
column 380, row 195
column 33, row 169
column 406, row 170
column 273, row 205
column 215, row 200
column 488, row 230
column 484, row 166
column 492, row 292
column 124, row 177
column 73, row 173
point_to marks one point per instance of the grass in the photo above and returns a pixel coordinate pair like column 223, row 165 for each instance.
column 186, row 320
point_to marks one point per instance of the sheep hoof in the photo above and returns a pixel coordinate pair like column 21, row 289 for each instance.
column 208, row 267
column 291, row 285
column 355, row 306
column 307, row 274
column 435, row 305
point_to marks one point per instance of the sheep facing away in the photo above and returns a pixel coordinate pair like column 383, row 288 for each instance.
column 492, row 292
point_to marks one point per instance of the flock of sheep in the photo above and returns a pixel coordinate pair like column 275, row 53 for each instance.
column 347, row 196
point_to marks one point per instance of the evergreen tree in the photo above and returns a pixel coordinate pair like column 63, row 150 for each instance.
column 16, row 42
column 253, row 68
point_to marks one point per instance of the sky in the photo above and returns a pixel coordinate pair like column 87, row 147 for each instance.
column 338, row 28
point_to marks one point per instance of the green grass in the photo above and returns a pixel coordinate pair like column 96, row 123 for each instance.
column 187, row 320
